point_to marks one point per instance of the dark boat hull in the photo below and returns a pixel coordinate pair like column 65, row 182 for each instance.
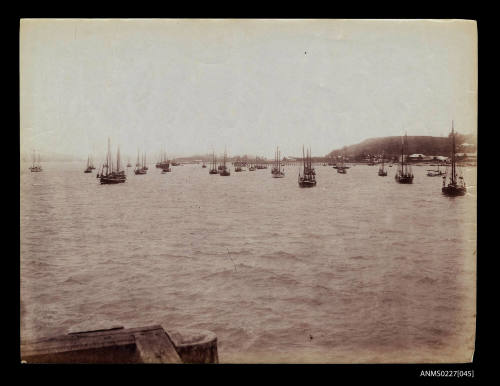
column 453, row 191
column 224, row 173
column 111, row 180
column 382, row 174
column 307, row 184
column 404, row 180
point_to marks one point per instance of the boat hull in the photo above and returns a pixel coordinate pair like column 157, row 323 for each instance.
column 307, row 184
column 111, row 180
column 404, row 180
column 453, row 191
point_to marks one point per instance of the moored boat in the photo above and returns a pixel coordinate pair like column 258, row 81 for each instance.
column 224, row 170
column 109, row 174
column 213, row 165
column 381, row 171
column 276, row 171
column 308, row 177
column 456, row 185
column 36, row 167
column 404, row 175
column 89, row 168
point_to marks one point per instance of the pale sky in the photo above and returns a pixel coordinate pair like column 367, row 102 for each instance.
column 193, row 86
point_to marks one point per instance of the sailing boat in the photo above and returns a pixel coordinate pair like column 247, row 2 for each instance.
column 213, row 167
column 142, row 169
column 381, row 171
column 137, row 164
column 204, row 165
column 36, row 166
column 129, row 165
column 224, row 171
column 110, row 175
column 340, row 166
column 456, row 185
column 92, row 163
column 404, row 174
column 254, row 166
column 308, row 178
column 89, row 167
column 276, row 171
column 164, row 164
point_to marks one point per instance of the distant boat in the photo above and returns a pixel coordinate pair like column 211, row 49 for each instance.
column 36, row 167
column 253, row 167
column 456, row 185
column 308, row 177
column 142, row 169
column 381, row 171
column 340, row 166
column 109, row 174
column 276, row 171
column 237, row 167
column 203, row 166
column 89, row 168
column 224, row 171
column 435, row 172
column 163, row 163
column 404, row 174
column 213, row 166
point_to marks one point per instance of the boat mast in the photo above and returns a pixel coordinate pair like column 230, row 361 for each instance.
column 453, row 168
column 118, row 159
column 304, row 160
column 108, row 157
column 402, row 155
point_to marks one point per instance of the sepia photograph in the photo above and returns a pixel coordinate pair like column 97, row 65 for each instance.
column 345, row 231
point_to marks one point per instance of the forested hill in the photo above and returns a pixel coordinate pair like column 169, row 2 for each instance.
column 391, row 146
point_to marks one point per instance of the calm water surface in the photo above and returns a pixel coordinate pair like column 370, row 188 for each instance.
column 357, row 269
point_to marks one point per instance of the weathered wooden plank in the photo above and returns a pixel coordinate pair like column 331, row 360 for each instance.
column 75, row 343
column 156, row 347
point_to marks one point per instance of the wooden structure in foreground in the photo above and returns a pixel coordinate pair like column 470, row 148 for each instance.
column 118, row 345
